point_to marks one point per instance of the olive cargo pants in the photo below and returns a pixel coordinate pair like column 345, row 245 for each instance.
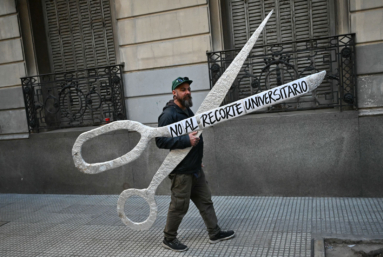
column 185, row 187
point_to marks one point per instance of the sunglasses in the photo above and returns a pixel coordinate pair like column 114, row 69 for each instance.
column 179, row 79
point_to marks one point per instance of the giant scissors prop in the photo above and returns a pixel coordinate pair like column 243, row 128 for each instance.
column 208, row 114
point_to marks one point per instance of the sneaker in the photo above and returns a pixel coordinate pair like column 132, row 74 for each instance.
column 222, row 235
column 174, row 245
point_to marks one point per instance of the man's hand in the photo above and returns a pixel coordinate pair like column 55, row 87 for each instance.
column 193, row 138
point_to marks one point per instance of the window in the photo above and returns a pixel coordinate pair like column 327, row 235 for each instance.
column 80, row 34
column 80, row 83
column 297, row 41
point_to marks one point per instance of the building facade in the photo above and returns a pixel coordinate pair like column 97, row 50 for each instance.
column 68, row 65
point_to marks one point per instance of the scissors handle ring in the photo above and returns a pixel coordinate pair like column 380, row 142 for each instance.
column 149, row 198
column 146, row 133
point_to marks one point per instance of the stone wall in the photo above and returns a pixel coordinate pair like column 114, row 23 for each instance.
column 366, row 21
column 316, row 153
column 160, row 41
column 13, row 122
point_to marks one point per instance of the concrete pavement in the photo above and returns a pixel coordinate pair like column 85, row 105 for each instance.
column 82, row 225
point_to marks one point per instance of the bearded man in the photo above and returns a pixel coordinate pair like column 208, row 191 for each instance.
column 188, row 179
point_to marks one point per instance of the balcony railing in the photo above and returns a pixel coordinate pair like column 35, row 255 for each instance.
column 269, row 66
column 76, row 98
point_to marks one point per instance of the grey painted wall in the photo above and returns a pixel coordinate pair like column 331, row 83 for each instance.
column 322, row 153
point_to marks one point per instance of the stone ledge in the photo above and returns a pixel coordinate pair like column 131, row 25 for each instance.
column 14, row 136
column 370, row 112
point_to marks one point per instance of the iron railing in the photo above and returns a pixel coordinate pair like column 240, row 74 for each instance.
column 75, row 98
column 269, row 66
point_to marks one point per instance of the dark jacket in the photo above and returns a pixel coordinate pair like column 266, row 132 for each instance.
column 192, row 162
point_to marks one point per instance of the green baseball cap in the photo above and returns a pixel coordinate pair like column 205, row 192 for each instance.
column 178, row 81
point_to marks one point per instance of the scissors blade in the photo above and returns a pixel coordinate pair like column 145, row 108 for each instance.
column 213, row 100
column 216, row 95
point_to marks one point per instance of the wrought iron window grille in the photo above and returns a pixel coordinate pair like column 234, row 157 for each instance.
column 85, row 97
column 269, row 66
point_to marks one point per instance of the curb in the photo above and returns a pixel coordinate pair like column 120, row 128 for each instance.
column 317, row 247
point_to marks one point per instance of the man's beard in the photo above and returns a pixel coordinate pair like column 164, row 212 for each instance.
column 186, row 101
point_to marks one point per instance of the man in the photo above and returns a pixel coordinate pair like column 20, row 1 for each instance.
column 188, row 178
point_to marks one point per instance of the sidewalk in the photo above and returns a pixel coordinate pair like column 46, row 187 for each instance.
column 80, row 225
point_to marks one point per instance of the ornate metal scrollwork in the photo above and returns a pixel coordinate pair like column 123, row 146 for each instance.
column 72, row 101
column 75, row 98
column 272, row 65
